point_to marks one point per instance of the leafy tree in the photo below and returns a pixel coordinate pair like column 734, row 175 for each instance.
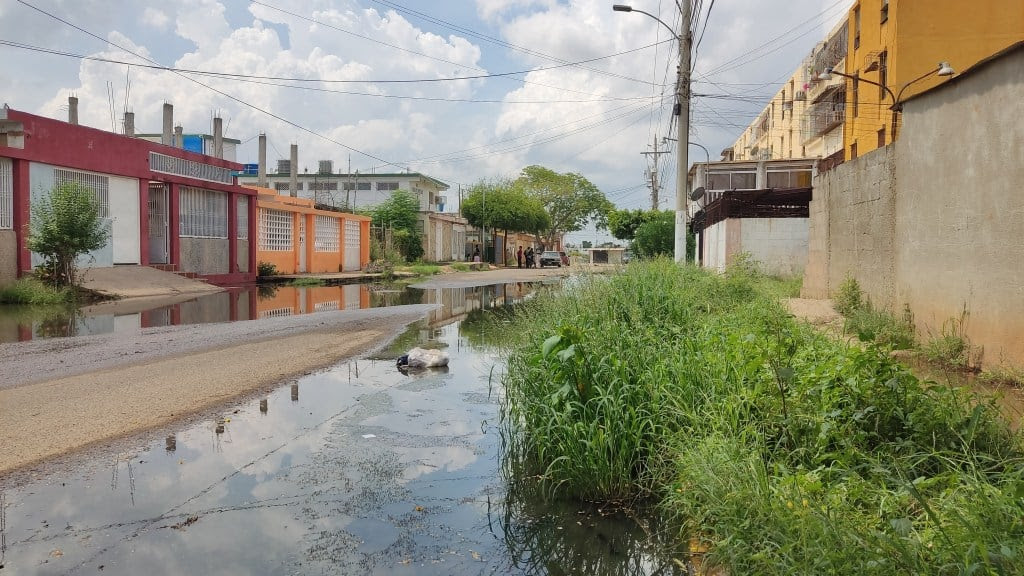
column 623, row 223
column 66, row 224
column 501, row 205
column 656, row 236
column 400, row 212
column 570, row 199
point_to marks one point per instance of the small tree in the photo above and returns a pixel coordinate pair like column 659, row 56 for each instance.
column 65, row 225
column 400, row 212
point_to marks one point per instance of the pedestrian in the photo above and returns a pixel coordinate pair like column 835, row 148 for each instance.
column 529, row 257
column 476, row 254
column 519, row 257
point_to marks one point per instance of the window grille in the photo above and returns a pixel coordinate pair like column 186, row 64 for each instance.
column 326, row 306
column 276, row 230
column 189, row 168
column 387, row 185
column 281, row 186
column 98, row 185
column 357, row 185
column 323, row 186
column 242, row 217
column 6, row 194
column 327, row 231
column 202, row 213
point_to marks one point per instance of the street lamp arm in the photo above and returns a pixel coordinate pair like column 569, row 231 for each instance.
column 624, row 8
column 859, row 79
column 899, row 98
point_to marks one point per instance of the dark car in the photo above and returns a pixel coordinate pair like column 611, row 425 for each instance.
column 552, row 258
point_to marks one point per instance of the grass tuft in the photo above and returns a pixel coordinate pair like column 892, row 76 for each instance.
column 34, row 292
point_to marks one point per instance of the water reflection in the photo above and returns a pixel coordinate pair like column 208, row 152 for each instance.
column 20, row 323
column 367, row 471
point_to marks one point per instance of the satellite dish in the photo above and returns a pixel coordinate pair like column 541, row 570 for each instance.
column 697, row 193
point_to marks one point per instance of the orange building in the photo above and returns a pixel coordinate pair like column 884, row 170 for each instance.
column 297, row 238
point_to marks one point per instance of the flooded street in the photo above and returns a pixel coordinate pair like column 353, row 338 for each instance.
column 357, row 469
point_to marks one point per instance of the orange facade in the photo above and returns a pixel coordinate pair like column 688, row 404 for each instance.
column 289, row 239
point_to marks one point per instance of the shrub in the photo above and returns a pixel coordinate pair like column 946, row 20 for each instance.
column 266, row 269
column 66, row 224
column 35, row 292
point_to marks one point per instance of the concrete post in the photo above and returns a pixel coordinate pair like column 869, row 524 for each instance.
column 72, row 110
column 261, row 178
column 179, row 136
column 129, row 124
column 293, row 182
column 218, row 137
column 761, row 176
column 167, row 137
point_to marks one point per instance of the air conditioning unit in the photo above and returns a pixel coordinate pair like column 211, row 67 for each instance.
column 871, row 61
column 787, row 105
column 800, row 96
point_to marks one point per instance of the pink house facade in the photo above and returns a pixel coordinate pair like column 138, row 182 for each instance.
column 167, row 207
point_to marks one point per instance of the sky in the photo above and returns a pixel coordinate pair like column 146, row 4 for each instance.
column 460, row 90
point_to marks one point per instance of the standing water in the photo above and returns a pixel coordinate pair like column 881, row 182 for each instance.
column 357, row 469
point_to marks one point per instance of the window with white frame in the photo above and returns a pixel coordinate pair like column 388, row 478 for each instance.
column 356, row 185
column 6, row 194
column 98, row 185
column 242, row 217
column 202, row 213
column 387, row 185
column 327, row 233
column 275, row 230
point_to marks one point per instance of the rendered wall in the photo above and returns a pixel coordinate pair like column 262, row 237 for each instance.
column 852, row 228
column 960, row 207
column 204, row 255
column 8, row 257
column 778, row 245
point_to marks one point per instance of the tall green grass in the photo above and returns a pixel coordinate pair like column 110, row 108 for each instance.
column 31, row 291
column 785, row 451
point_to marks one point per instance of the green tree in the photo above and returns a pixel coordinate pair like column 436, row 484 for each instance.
column 500, row 205
column 400, row 213
column 656, row 236
column 570, row 199
column 623, row 223
column 66, row 224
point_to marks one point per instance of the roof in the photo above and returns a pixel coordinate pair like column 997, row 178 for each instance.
column 360, row 176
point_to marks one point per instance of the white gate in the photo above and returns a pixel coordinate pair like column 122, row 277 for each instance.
column 353, row 245
column 302, row 244
column 157, row 209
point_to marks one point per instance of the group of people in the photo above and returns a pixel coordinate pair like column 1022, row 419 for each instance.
column 526, row 258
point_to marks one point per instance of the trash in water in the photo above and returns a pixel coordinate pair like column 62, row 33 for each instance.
column 368, row 436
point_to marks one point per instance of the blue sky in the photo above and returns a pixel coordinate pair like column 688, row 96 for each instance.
column 594, row 118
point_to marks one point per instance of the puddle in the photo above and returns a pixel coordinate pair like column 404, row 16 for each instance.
column 357, row 469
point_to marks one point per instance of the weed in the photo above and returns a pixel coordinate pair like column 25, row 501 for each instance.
column 31, row 291
column 461, row 267
column 881, row 327
column 850, row 297
column 785, row 451
column 952, row 347
column 307, row 281
column 424, row 269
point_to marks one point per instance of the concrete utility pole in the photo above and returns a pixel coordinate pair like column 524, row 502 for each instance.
column 683, row 110
column 653, row 175
column 683, row 101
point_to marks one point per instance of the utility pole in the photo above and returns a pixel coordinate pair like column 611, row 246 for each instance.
column 653, row 175
column 683, row 103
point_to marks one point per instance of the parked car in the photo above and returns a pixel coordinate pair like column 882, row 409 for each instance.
column 553, row 258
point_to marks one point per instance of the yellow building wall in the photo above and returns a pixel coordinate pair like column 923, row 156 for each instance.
column 916, row 37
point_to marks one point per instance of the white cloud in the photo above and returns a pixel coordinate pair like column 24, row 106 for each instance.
column 155, row 18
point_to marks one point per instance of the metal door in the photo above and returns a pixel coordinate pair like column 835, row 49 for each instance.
column 157, row 204
column 353, row 245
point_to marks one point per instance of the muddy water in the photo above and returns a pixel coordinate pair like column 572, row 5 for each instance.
column 358, row 469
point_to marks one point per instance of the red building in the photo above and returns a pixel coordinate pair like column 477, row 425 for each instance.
column 167, row 207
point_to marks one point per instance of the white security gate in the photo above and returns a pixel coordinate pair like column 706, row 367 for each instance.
column 157, row 209
column 302, row 245
column 6, row 194
column 353, row 245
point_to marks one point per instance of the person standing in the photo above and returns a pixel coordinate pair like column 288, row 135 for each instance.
column 519, row 257
column 529, row 257
column 476, row 254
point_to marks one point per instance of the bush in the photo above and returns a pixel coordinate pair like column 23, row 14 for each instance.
column 266, row 269
column 35, row 292
column 66, row 224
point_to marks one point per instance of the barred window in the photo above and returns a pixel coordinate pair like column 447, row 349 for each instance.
column 327, row 231
column 357, row 185
column 323, row 186
column 387, row 185
column 242, row 217
column 275, row 230
column 98, row 185
column 202, row 213
column 280, row 186
column 6, row 194
column 190, row 168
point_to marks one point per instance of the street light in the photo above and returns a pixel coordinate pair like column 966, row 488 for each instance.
column 683, row 125
column 944, row 69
